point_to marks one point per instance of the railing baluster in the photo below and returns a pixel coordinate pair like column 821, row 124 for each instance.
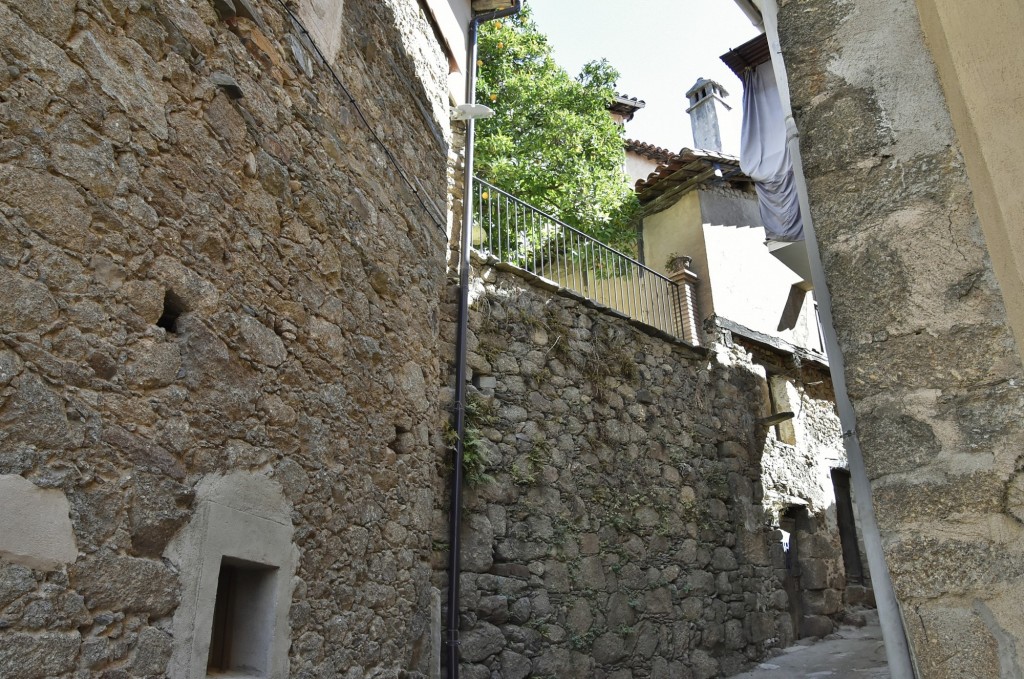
column 502, row 227
column 490, row 224
column 604, row 276
column 632, row 290
column 661, row 307
column 552, row 254
column 645, row 300
column 524, row 236
column 653, row 288
column 573, row 261
column 657, row 304
column 592, row 291
column 530, row 239
column 652, row 291
column 546, row 263
column 635, row 287
column 613, row 281
column 617, row 299
column 623, row 267
column 680, row 331
column 666, row 318
column 627, row 289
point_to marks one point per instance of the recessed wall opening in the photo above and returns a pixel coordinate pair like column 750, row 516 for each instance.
column 243, row 619
column 173, row 308
column 847, row 527
column 795, row 523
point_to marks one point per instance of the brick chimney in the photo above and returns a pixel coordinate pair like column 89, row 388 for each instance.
column 706, row 98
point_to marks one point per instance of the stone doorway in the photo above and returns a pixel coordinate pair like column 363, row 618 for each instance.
column 813, row 580
column 847, row 528
column 794, row 522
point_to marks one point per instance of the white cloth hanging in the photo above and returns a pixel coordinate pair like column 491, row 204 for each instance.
column 764, row 155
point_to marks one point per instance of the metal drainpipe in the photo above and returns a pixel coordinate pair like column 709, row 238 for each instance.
column 897, row 651
column 455, row 507
column 753, row 13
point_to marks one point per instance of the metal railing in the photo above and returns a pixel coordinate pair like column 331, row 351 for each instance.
column 526, row 237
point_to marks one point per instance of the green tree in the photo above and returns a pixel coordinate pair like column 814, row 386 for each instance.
column 551, row 141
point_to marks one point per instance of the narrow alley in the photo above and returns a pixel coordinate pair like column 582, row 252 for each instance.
column 850, row 653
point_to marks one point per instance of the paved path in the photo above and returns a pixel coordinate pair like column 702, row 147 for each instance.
column 858, row 653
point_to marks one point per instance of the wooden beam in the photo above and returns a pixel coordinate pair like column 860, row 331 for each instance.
column 668, row 198
column 490, row 5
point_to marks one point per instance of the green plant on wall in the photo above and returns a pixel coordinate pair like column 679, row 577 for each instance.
column 527, row 469
column 475, row 462
column 609, row 357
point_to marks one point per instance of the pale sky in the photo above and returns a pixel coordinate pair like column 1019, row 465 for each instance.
column 660, row 47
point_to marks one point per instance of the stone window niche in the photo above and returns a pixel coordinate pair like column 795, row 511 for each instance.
column 243, row 615
column 236, row 562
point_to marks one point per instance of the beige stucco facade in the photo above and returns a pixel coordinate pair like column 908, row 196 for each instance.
column 908, row 116
column 979, row 61
column 739, row 279
column 663, row 237
column 639, row 167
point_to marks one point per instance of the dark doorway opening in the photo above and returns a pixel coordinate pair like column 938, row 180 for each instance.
column 847, row 527
column 795, row 522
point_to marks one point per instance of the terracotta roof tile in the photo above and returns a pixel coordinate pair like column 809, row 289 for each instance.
column 626, row 106
column 648, row 150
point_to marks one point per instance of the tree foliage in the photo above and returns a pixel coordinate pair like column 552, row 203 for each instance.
column 552, row 142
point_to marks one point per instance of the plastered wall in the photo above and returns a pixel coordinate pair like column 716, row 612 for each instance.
column 923, row 310
column 976, row 52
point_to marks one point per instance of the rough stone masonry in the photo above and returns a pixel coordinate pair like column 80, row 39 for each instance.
column 932, row 365
column 208, row 263
column 614, row 524
column 222, row 314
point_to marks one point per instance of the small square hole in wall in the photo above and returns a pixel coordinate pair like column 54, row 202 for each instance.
column 173, row 308
column 243, row 620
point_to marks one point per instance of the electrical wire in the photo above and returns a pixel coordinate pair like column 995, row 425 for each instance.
column 429, row 209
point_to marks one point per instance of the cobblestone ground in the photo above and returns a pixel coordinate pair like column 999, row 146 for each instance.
column 851, row 653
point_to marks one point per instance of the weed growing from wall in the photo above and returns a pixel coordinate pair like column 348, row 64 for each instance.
column 475, row 461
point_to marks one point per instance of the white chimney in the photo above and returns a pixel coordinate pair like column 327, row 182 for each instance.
column 706, row 98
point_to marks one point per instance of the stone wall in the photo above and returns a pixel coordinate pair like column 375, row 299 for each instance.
column 796, row 464
column 932, row 366
column 209, row 263
column 613, row 527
